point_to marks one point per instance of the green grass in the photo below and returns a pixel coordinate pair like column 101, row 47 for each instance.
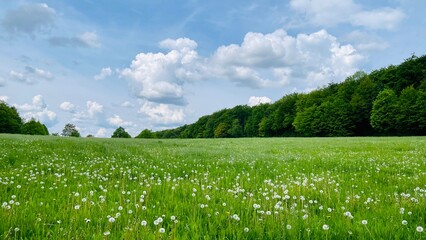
column 281, row 188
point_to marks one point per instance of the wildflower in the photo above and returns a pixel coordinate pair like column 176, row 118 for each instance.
column 288, row 226
column 76, row 207
column 111, row 219
column 364, row 222
column 419, row 229
column 325, row 227
column 235, row 216
column 404, row 222
column 173, row 218
column 120, row 208
column 106, row 233
column 162, row 230
column 16, row 229
column 143, row 223
column 246, row 229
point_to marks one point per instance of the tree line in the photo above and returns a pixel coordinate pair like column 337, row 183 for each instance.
column 388, row 101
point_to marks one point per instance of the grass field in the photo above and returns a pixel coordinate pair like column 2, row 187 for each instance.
column 295, row 188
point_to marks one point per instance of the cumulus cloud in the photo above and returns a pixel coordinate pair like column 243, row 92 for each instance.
column 333, row 12
column 278, row 59
column 30, row 75
column 162, row 114
column 93, row 113
column 67, row 106
column 38, row 110
column 86, row 39
column 117, row 121
column 254, row 101
column 4, row 98
column 105, row 72
column 101, row 133
column 29, row 19
column 159, row 77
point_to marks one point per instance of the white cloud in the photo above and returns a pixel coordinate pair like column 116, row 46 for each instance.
column 67, row 106
column 254, row 101
column 94, row 113
column 30, row 75
column 127, row 104
column 29, row 19
column 101, row 133
column 160, row 77
column 383, row 18
column 86, row 39
column 105, row 72
column 117, row 121
column 38, row 109
column 366, row 41
column 333, row 12
column 278, row 59
column 162, row 114
column 94, row 108
column 4, row 99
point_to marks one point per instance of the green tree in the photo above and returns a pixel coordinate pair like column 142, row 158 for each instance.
column 236, row 129
column 407, row 119
column 70, row 130
column 10, row 121
column 221, row 130
column 146, row 133
column 120, row 133
column 34, row 127
column 384, row 112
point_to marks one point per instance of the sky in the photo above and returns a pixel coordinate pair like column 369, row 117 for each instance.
column 144, row 64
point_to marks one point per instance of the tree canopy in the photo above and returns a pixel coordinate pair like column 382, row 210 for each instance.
column 120, row 133
column 34, row 127
column 70, row 130
column 10, row 121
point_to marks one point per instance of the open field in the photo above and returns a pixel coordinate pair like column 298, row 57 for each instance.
column 295, row 188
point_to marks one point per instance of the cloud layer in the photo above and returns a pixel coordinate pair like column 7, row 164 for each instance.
column 38, row 110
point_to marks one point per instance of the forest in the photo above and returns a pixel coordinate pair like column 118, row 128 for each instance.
column 387, row 102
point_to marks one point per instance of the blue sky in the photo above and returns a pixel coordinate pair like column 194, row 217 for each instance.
column 161, row 64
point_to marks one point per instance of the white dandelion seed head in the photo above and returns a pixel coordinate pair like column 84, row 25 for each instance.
column 325, row 227
column 419, row 229
column 143, row 223
column 404, row 222
column 246, row 229
column 364, row 222
column 162, row 230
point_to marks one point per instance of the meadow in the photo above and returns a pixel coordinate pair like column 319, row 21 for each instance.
column 259, row 188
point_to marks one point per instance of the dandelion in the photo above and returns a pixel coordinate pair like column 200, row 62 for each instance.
column 111, row 219
column 107, row 233
column 419, row 229
column 17, row 229
column 143, row 223
column 235, row 217
column 364, row 222
column 246, row 229
column 404, row 222
column 288, row 226
column 162, row 230
column 325, row 227
column 76, row 207
column 120, row 208
column 173, row 218
column 87, row 220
